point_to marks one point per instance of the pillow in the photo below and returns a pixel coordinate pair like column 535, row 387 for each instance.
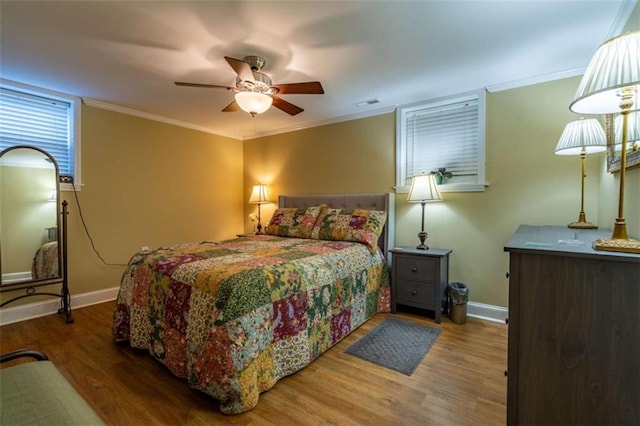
column 293, row 222
column 363, row 226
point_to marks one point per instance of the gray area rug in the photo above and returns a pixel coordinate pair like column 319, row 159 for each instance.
column 396, row 344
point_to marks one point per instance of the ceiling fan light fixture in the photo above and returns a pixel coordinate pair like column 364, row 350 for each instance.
column 253, row 102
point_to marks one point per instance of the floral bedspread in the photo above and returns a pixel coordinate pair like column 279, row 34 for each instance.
column 234, row 317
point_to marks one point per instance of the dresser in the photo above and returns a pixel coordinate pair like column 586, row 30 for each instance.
column 574, row 330
column 419, row 278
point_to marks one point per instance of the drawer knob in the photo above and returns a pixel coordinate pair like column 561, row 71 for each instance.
column 506, row 373
column 414, row 292
column 414, row 269
column 507, row 275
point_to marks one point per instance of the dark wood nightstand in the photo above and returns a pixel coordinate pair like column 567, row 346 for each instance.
column 420, row 278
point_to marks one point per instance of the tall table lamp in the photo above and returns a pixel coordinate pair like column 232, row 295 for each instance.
column 259, row 196
column 423, row 190
column 611, row 84
column 582, row 137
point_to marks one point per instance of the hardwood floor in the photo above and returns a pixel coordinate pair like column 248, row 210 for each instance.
column 460, row 382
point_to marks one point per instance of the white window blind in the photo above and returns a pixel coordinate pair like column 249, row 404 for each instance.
column 443, row 134
column 41, row 121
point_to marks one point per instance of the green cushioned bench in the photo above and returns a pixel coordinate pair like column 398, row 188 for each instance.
column 35, row 393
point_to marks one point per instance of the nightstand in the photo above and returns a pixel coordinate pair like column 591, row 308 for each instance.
column 420, row 278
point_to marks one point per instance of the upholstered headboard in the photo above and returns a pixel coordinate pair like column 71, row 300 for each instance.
column 382, row 201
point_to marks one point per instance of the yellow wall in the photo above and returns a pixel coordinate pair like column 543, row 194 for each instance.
column 529, row 184
column 147, row 183
column 343, row 158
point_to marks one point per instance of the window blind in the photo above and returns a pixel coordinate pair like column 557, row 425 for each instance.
column 443, row 136
column 27, row 119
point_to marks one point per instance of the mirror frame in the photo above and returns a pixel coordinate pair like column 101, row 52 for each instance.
column 43, row 281
column 613, row 163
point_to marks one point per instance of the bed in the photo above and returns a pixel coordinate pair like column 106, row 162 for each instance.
column 235, row 316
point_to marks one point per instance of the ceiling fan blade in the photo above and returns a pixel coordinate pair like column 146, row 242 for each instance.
column 285, row 106
column 206, row 86
column 233, row 106
column 308, row 88
column 241, row 68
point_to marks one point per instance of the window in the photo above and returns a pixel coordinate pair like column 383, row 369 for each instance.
column 47, row 120
column 447, row 132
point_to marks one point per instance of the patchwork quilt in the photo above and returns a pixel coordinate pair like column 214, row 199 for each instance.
column 234, row 317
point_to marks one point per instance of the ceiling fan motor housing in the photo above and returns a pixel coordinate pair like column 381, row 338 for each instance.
column 255, row 62
column 262, row 84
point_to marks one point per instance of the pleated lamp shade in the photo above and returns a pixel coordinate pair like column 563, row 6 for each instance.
column 579, row 134
column 615, row 66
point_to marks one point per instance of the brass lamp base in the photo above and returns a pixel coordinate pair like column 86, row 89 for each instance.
column 611, row 244
column 582, row 223
column 619, row 240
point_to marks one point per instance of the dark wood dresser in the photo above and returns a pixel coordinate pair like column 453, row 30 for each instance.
column 574, row 330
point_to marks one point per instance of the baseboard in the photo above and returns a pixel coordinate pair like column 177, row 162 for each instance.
column 487, row 312
column 47, row 307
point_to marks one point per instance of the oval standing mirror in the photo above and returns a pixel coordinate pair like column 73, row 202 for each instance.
column 29, row 217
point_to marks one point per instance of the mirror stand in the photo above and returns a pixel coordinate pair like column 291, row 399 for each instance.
column 33, row 224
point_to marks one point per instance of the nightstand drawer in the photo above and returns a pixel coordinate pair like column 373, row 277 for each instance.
column 417, row 268
column 416, row 293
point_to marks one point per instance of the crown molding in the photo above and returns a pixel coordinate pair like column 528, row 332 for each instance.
column 309, row 125
column 545, row 78
column 162, row 119
column 148, row 116
column 621, row 19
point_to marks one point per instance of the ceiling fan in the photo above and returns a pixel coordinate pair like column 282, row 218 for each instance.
column 254, row 92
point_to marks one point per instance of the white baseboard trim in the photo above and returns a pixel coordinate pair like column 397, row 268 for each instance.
column 487, row 312
column 47, row 307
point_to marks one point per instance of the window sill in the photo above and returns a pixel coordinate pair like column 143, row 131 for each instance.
column 451, row 187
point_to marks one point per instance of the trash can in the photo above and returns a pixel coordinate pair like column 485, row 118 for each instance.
column 458, row 298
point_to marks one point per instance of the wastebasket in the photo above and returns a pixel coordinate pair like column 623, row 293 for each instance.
column 458, row 298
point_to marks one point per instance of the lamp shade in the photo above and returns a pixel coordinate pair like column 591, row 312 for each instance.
column 259, row 195
column 423, row 189
column 614, row 67
column 579, row 134
column 253, row 102
column 633, row 129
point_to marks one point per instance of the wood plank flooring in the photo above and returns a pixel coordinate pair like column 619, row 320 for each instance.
column 460, row 382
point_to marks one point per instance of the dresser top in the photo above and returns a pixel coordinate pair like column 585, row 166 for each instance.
column 562, row 239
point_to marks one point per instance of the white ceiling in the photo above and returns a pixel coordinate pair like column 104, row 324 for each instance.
column 127, row 54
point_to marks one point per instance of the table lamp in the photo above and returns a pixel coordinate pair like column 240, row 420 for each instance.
column 423, row 190
column 582, row 137
column 259, row 196
column 611, row 83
